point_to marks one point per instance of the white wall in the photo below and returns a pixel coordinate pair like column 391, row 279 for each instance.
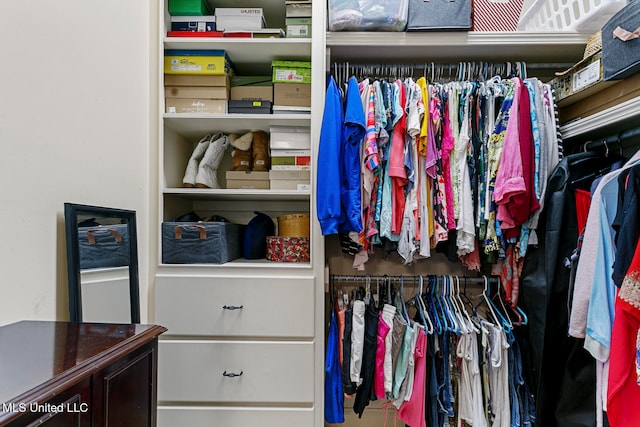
column 76, row 125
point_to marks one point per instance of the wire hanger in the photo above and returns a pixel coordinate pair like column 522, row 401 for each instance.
column 422, row 308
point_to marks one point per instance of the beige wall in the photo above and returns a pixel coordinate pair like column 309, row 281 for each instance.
column 75, row 126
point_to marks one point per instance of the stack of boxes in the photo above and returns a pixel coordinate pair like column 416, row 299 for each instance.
column 191, row 18
column 298, row 18
column 291, row 87
column 290, row 150
column 197, row 81
column 251, row 94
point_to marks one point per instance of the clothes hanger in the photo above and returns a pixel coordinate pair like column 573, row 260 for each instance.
column 470, row 321
column 404, row 312
column 439, row 329
column 457, row 316
column 494, row 317
column 450, row 322
column 505, row 319
column 507, row 326
column 464, row 327
column 422, row 308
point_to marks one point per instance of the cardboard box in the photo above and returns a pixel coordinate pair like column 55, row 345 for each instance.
column 291, row 72
column 248, row 180
column 196, row 80
column 193, row 23
column 244, row 88
column 296, row 9
column 298, row 27
column 265, row 33
column 578, row 78
column 208, row 62
column 601, row 96
column 252, row 93
column 250, row 107
column 288, row 109
column 238, row 18
column 295, row 95
column 291, row 159
column 196, row 92
column 189, row 7
column 289, row 137
column 290, row 179
column 210, row 106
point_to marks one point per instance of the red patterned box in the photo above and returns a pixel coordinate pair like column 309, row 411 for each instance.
column 287, row 249
column 496, row 15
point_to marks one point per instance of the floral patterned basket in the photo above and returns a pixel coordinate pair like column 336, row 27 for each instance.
column 288, row 249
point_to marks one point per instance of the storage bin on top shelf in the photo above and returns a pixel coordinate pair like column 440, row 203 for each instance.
column 373, row 15
column 568, row 15
column 621, row 43
column 189, row 7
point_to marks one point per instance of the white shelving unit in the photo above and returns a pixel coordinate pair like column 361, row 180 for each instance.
column 236, row 331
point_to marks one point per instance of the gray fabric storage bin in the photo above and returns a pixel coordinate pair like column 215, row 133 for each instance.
column 103, row 246
column 621, row 59
column 201, row 242
column 439, row 15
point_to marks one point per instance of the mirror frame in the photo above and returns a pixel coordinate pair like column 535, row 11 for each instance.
column 72, row 211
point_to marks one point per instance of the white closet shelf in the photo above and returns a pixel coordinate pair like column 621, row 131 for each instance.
column 245, row 50
column 194, row 125
column 612, row 120
column 237, row 194
column 241, row 264
column 545, row 47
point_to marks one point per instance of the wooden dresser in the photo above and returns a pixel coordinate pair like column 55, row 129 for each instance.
column 78, row 374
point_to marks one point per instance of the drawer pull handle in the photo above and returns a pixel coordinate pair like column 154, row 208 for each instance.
column 232, row 307
column 231, row 374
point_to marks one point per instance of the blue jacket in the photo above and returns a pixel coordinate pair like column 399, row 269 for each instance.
column 328, row 167
column 353, row 133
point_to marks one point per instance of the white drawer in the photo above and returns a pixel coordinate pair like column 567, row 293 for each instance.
column 172, row 416
column 194, row 371
column 271, row 307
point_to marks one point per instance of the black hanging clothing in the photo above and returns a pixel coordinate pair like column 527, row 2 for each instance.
column 563, row 372
column 365, row 390
column 626, row 223
column 348, row 387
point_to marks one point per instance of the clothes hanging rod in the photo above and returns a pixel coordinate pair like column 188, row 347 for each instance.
column 361, row 278
column 612, row 140
column 421, row 66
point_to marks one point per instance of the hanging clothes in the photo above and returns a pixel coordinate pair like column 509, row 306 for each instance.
column 623, row 397
column 563, row 372
column 329, row 153
column 333, row 394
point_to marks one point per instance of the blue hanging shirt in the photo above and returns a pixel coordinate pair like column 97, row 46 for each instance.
column 353, row 134
column 333, row 394
column 328, row 187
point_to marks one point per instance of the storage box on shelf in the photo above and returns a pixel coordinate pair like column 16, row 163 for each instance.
column 239, row 19
column 298, row 18
column 244, row 88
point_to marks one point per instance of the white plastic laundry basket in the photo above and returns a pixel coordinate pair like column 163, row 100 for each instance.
column 569, row 15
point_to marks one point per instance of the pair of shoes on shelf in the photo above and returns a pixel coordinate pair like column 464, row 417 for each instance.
column 202, row 167
column 251, row 151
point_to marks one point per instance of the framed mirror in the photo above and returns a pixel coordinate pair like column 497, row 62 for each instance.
column 102, row 264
